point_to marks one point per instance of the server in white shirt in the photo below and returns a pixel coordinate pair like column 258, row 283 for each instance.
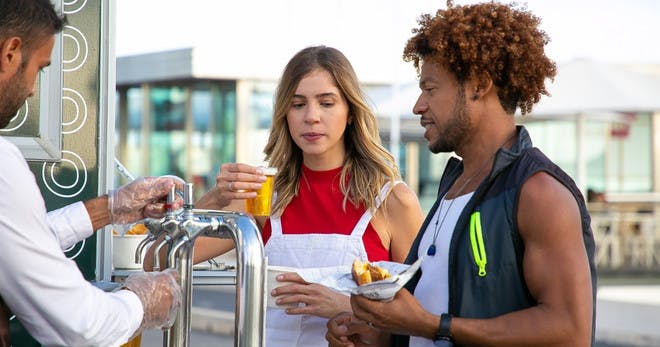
column 38, row 283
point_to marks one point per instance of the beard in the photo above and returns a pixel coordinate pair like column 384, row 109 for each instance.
column 13, row 94
column 455, row 130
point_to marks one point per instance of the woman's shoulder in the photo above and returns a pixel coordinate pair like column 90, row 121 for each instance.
column 402, row 197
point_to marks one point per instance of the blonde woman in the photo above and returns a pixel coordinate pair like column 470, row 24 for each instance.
column 332, row 175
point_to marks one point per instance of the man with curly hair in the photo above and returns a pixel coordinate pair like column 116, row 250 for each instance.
column 507, row 247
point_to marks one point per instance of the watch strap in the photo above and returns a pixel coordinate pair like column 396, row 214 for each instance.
column 444, row 330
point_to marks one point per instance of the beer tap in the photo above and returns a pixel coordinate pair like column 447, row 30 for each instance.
column 180, row 232
column 170, row 227
column 155, row 232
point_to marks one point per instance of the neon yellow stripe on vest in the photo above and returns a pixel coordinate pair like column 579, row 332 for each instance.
column 477, row 241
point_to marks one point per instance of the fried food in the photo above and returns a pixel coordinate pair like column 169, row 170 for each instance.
column 137, row 229
column 365, row 272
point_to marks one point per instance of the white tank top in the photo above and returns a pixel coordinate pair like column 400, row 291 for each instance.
column 432, row 291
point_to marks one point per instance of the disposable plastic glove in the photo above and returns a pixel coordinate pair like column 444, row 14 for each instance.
column 160, row 295
column 143, row 198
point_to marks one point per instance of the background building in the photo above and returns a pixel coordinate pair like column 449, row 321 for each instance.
column 180, row 112
column 183, row 112
column 180, row 115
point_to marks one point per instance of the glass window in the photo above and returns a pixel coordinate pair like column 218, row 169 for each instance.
column 193, row 150
column 202, row 108
column 134, row 99
column 167, row 142
column 557, row 139
column 261, row 105
column 224, row 125
column 617, row 151
column 131, row 141
column 213, row 136
column 596, row 137
column 630, row 155
column 168, row 107
column 212, row 140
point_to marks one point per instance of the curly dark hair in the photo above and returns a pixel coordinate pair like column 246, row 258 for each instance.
column 487, row 40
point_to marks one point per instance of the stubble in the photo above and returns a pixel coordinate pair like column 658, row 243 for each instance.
column 456, row 129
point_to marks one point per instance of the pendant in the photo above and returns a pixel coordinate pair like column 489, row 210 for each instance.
column 431, row 250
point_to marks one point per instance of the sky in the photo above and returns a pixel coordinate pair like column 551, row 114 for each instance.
column 372, row 33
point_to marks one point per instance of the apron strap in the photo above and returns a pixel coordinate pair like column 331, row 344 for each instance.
column 275, row 222
column 275, row 226
column 361, row 225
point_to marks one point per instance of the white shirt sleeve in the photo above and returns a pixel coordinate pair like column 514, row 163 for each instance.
column 70, row 224
column 41, row 286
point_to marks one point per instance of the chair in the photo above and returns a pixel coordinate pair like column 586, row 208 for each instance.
column 605, row 226
column 640, row 240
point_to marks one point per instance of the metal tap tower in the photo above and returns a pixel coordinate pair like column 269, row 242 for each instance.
column 179, row 232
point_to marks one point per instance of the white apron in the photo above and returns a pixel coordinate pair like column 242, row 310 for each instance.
column 305, row 251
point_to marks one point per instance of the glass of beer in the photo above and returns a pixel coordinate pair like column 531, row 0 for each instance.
column 260, row 205
column 135, row 342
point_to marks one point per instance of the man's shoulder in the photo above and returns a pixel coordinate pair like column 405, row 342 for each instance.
column 8, row 150
column 533, row 160
column 12, row 160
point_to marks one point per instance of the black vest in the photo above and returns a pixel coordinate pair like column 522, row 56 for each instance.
column 503, row 289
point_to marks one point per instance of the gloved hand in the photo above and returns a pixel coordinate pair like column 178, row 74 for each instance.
column 143, row 198
column 160, row 295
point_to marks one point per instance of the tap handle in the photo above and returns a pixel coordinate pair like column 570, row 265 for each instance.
column 140, row 247
column 171, row 197
column 188, row 196
column 156, row 255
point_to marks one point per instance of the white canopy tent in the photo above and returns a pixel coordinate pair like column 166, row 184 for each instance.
column 585, row 89
column 580, row 87
column 592, row 88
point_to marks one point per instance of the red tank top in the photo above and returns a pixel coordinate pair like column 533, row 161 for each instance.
column 318, row 209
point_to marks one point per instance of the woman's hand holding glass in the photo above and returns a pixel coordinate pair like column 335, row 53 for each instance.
column 235, row 182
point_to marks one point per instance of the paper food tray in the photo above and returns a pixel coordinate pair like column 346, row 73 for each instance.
column 339, row 278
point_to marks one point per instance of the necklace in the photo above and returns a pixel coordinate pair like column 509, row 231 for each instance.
column 438, row 222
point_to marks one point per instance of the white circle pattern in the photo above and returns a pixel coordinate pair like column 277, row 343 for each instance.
column 77, row 47
column 80, row 245
column 25, row 117
column 69, row 126
column 74, row 6
column 73, row 125
column 61, row 190
column 82, row 49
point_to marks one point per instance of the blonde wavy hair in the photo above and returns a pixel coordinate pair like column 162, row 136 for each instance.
column 367, row 166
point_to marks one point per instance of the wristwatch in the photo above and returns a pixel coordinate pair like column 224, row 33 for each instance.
column 444, row 333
